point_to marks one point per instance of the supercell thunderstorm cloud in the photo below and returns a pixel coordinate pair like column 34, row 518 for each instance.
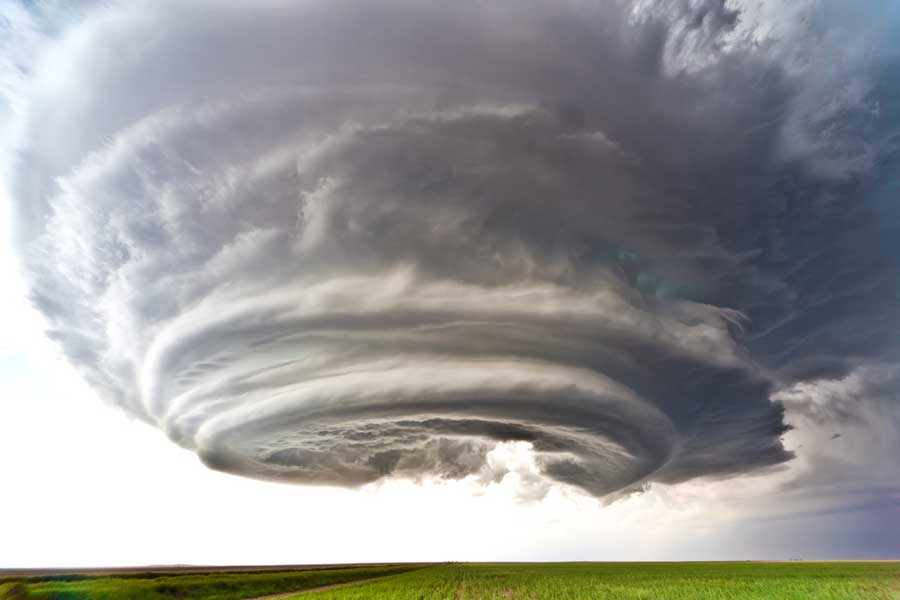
column 336, row 242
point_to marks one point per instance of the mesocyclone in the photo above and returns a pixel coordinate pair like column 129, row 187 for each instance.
column 336, row 242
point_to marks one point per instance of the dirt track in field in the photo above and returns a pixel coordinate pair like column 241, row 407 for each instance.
column 318, row 588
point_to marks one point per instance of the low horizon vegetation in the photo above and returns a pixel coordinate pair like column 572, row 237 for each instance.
column 476, row 581
column 172, row 585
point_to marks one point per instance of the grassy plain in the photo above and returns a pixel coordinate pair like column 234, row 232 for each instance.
column 632, row 581
column 169, row 585
column 493, row 581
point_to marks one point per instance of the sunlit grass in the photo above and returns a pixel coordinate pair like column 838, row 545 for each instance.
column 493, row 581
column 626, row 581
column 196, row 586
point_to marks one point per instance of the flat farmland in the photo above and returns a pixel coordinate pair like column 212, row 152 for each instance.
column 219, row 583
column 495, row 581
column 624, row 581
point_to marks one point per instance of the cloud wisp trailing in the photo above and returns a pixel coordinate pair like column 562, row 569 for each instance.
column 336, row 242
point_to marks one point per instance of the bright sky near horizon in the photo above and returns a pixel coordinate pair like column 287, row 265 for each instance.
column 361, row 284
column 88, row 486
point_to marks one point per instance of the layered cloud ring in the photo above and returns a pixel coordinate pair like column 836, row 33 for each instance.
column 336, row 242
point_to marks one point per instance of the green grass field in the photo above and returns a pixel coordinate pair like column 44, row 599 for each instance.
column 184, row 585
column 625, row 581
column 501, row 581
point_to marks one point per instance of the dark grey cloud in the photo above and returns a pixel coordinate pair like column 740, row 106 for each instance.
column 335, row 242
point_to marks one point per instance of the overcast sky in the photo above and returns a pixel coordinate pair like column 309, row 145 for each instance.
column 393, row 280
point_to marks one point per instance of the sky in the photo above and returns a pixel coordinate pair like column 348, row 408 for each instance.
column 389, row 280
